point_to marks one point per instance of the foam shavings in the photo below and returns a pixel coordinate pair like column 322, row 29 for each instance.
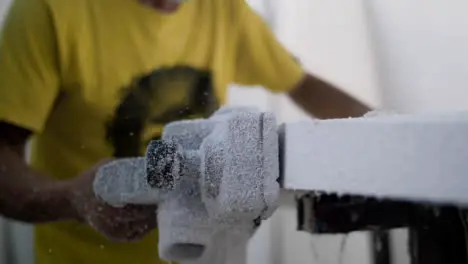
column 379, row 113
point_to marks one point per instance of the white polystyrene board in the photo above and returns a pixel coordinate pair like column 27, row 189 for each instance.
column 409, row 157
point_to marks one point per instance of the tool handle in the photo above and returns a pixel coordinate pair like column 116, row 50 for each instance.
column 143, row 180
column 122, row 182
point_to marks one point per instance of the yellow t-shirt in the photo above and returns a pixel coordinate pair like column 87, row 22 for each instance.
column 99, row 78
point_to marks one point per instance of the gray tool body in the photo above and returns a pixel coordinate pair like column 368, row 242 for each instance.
column 212, row 179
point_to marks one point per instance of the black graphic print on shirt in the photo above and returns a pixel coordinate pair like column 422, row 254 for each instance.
column 163, row 96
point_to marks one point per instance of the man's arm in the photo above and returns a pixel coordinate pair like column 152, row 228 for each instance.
column 26, row 195
column 263, row 60
column 323, row 100
column 29, row 87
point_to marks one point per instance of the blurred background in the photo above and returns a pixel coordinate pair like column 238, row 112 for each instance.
column 409, row 56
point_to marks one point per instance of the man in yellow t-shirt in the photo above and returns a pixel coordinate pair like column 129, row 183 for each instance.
column 90, row 80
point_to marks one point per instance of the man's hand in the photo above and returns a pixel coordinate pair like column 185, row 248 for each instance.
column 126, row 224
column 29, row 196
column 325, row 101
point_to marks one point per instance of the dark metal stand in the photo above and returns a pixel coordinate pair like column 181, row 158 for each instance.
column 381, row 247
column 437, row 233
column 440, row 242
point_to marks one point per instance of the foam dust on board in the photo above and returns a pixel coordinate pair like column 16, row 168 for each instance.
column 410, row 157
column 379, row 113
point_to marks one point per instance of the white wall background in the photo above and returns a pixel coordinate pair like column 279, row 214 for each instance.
column 423, row 53
column 408, row 55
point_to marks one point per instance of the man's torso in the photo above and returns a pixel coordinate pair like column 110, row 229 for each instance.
column 125, row 71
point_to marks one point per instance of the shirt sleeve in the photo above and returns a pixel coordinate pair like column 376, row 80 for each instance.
column 261, row 59
column 29, row 80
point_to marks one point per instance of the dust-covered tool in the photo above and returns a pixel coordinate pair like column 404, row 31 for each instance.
column 212, row 179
